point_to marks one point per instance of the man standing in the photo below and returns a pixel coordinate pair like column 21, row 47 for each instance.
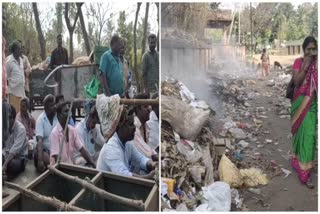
column 59, row 56
column 111, row 75
column 27, row 71
column 150, row 66
column 15, row 76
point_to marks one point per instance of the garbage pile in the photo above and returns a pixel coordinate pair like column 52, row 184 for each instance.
column 203, row 162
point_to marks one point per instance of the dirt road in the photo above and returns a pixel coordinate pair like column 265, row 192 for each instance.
column 281, row 194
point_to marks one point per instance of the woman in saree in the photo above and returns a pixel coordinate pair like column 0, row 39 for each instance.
column 304, row 111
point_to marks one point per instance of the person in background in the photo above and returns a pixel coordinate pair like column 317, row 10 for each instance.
column 15, row 75
column 141, row 116
column 265, row 62
column 90, row 136
column 152, row 127
column 66, row 145
column 14, row 154
column 304, row 111
column 111, row 75
column 120, row 156
column 59, row 55
column 150, row 66
column 46, row 121
column 127, row 76
column 27, row 70
column 29, row 123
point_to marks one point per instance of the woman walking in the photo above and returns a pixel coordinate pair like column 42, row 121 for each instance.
column 304, row 111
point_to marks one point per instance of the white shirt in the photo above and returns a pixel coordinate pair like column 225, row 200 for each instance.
column 120, row 159
column 152, row 130
column 44, row 128
column 139, row 142
column 15, row 76
column 90, row 137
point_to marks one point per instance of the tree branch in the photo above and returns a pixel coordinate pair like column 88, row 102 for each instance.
column 52, row 201
column 104, row 194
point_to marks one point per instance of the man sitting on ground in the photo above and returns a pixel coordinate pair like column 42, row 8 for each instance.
column 44, row 125
column 28, row 122
column 66, row 145
column 90, row 135
column 14, row 153
column 120, row 156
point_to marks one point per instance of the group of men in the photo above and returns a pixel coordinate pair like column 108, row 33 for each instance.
column 54, row 136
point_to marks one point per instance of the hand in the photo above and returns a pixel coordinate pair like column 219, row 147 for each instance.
column 41, row 166
column 307, row 62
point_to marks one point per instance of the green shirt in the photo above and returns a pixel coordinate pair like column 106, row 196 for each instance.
column 150, row 69
column 110, row 65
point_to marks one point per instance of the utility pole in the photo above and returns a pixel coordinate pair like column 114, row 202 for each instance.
column 239, row 24
column 251, row 42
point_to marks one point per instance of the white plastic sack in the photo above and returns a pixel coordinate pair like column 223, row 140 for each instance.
column 217, row 196
column 109, row 111
column 190, row 152
column 186, row 120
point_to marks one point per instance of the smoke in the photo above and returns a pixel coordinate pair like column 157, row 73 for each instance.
column 182, row 64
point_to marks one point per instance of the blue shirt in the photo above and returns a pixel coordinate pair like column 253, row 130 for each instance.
column 117, row 158
column 110, row 65
column 44, row 128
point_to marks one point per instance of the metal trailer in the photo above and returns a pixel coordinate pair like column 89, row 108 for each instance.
column 49, row 184
column 38, row 90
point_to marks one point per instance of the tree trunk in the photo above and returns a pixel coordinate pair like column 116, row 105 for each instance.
column 136, row 73
column 158, row 14
column 83, row 28
column 41, row 39
column 59, row 205
column 59, row 18
column 102, row 193
column 70, row 28
column 145, row 29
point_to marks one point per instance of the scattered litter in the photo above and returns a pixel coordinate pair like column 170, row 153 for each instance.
column 286, row 172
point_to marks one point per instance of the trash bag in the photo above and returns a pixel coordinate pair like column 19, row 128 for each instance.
column 191, row 152
column 91, row 89
column 186, row 120
column 217, row 197
column 229, row 173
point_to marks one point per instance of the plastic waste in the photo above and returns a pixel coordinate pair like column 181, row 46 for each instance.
column 188, row 149
column 229, row 173
column 253, row 177
column 216, row 197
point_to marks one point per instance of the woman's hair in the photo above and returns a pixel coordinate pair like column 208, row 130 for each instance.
column 307, row 41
